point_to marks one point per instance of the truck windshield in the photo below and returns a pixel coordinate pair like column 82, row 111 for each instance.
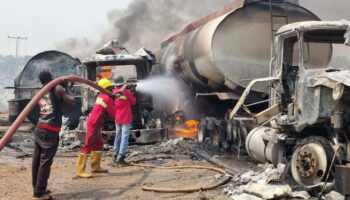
column 127, row 71
column 316, row 55
column 329, row 44
column 110, row 72
column 341, row 57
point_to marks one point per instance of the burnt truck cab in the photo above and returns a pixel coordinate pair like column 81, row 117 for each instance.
column 311, row 91
column 133, row 67
column 314, row 99
column 307, row 123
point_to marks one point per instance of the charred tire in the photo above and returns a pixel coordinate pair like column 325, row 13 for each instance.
column 202, row 131
column 219, row 136
column 239, row 134
column 229, row 131
column 311, row 160
column 216, row 136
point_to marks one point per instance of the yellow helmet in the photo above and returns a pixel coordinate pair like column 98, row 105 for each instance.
column 105, row 83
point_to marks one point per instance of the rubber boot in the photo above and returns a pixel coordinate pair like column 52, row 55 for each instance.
column 42, row 197
column 81, row 166
column 96, row 162
column 121, row 161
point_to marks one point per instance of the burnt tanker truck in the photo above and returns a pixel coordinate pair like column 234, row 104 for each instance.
column 104, row 64
column 271, row 92
column 254, row 85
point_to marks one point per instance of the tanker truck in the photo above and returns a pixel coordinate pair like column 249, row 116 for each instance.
column 219, row 55
column 266, row 88
column 108, row 62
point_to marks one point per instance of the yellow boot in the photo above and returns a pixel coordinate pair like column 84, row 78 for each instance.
column 81, row 165
column 96, row 162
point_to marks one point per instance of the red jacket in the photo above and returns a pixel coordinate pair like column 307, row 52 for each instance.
column 103, row 106
column 123, row 114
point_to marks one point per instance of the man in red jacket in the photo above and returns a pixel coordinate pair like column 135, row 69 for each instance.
column 123, row 119
column 103, row 108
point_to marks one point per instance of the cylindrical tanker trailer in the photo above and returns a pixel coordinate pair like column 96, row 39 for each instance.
column 231, row 47
column 220, row 54
column 27, row 84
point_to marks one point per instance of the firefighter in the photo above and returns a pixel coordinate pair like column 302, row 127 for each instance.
column 47, row 133
column 123, row 119
column 103, row 107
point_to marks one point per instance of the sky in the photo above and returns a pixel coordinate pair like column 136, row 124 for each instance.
column 48, row 22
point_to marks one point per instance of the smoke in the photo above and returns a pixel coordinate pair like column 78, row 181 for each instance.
column 6, row 95
column 78, row 47
column 145, row 23
column 3, row 106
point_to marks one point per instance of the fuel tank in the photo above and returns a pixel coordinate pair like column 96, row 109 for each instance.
column 27, row 83
column 229, row 48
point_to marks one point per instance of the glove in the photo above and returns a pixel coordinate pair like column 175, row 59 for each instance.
column 131, row 86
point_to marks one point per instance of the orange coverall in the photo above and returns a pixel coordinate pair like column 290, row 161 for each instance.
column 103, row 107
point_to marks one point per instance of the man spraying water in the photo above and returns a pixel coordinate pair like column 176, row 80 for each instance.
column 123, row 119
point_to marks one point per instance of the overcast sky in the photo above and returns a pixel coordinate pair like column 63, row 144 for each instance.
column 47, row 22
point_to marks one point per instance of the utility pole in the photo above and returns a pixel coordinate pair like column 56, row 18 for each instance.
column 18, row 39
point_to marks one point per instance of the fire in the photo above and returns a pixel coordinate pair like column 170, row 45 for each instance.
column 189, row 129
column 104, row 72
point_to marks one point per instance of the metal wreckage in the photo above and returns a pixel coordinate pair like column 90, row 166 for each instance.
column 260, row 80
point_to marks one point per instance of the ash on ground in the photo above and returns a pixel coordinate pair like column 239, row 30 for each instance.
column 250, row 180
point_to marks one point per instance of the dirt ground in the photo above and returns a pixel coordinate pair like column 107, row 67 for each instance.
column 119, row 183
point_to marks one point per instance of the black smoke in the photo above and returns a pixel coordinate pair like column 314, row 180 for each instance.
column 145, row 23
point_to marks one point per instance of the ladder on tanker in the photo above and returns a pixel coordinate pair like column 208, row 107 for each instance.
column 279, row 15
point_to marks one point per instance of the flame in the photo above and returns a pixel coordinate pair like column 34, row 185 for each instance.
column 104, row 72
column 189, row 129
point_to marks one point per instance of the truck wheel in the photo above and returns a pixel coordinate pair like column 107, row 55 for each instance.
column 311, row 160
column 216, row 136
column 229, row 130
column 239, row 134
column 202, row 130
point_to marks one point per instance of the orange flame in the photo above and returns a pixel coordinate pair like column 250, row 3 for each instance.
column 104, row 72
column 189, row 129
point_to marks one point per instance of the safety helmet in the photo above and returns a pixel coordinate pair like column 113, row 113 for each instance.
column 105, row 83
column 119, row 81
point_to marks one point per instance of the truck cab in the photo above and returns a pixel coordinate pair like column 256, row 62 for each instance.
column 133, row 67
column 313, row 97
column 310, row 90
column 308, row 119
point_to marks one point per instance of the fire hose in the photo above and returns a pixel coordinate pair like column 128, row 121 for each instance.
column 13, row 128
column 187, row 189
column 72, row 78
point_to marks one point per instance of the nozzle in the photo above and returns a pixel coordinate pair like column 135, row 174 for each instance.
column 131, row 86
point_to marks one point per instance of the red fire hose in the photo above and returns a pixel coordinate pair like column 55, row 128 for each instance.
column 12, row 130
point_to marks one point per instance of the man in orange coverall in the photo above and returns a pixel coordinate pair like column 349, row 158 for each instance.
column 103, row 107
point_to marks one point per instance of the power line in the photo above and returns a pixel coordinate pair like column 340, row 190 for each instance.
column 18, row 39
